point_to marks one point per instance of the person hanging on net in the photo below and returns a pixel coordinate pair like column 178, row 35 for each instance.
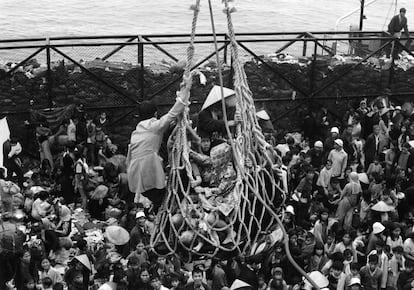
column 145, row 167
column 396, row 25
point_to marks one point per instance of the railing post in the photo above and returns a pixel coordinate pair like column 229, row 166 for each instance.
column 313, row 66
column 305, row 46
column 141, row 66
column 48, row 74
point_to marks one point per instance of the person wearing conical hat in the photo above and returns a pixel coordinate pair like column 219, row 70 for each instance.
column 265, row 121
column 145, row 170
column 210, row 119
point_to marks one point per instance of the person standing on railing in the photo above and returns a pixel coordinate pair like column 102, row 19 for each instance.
column 396, row 25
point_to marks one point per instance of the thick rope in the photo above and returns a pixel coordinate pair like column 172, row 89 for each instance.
column 247, row 109
column 252, row 218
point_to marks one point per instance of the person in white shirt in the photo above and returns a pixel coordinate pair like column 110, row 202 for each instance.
column 339, row 159
column 324, row 178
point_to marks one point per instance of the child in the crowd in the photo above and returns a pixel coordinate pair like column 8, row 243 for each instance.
column 397, row 265
column 48, row 271
column 406, row 276
column 371, row 275
column 375, row 167
column 47, row 283
column 336, row 276
column 354, row 273
column 140, row 253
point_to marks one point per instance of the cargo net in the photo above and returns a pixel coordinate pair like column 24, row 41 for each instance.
column 239, row 217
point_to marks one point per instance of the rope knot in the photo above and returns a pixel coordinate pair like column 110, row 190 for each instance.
column 195, row 8
column 229, row 10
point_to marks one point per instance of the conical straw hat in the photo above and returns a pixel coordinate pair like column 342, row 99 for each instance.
column 215, row 95
column 117, row 235
column 237, row 284
column 85, row 261
column 263, row 115
column 381, row 206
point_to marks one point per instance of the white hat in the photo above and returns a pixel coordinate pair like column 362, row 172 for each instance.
column 215, row 95
column 398, row 108
column 335, row 130
column 263, row 115
column 139, row 214
column 318, row 144
column 363, row 177
column 400, row 195
column 411, row 143
column 354, row 281
column 318, row 278
column 237, row 284
column 377, row 228
column 290, row 209
column 339, row 142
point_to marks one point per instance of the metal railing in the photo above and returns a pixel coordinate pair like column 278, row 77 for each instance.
column 140, row 50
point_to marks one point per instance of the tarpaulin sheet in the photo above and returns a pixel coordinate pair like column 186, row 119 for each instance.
column 54, row 117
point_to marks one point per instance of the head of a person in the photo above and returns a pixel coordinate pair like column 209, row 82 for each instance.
column 161, row 260
column 354, row 268
column 335, row 183
column 261, row 279
column 396, row 231
column 409, row 266
column 205, row 143
column 140, row 246
column 155, row 282
column 319, row 249
column 324, row 214
column 310, row 173
column 349, row 129
column 328, row 164
column 47, row 283
column 293, row 237
column 45, row 264
column 403, row 11
column 348, row 255
column 290, row 141
column 338, row 144
column 140, row 218
column 334, row 132
column 346, row 238
column 133, row 263
column 373, row 262
column 147, row 110
column 29, row 283
column 144, row 275
column 197, row 276
column 379, row 246
column 43, row 195
column 337, row 268
column 102, row 116
column 318, row 146
column 175, row 280
column 398, row 252
column 26, row 258
column 376, row 129
column 405, row 148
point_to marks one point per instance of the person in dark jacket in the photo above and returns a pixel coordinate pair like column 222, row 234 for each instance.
column 396, row 25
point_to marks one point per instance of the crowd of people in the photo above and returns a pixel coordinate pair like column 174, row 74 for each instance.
column 84, row 218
